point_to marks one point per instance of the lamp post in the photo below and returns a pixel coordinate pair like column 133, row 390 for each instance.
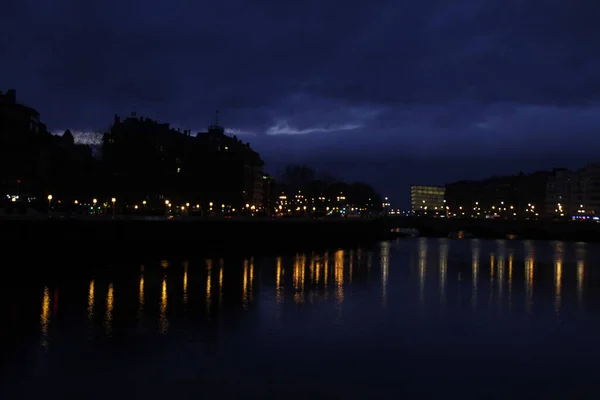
column 49, row 204
column 113, row 200
column 94, row 201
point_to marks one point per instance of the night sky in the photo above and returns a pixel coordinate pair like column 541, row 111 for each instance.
column 390, row 92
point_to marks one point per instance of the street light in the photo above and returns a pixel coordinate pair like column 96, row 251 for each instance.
column 113, row 200
column 49, row 203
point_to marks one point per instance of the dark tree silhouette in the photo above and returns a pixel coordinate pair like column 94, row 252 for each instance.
column 303, row 178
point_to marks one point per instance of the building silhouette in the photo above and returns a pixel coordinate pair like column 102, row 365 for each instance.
column 574, row 193
column 515, row 196
column 142, row 161
column 34, row 162
column 559, row 193
column 146, row 160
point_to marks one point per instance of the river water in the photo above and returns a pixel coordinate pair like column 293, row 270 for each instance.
column 417, row 318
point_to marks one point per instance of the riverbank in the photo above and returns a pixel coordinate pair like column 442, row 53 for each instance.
column 577, row 231
column 188, row 236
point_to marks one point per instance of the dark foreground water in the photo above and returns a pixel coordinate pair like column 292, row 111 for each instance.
column 422, row 318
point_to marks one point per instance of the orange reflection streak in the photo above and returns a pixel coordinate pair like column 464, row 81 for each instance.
column 221, row 263
column 422, row 267
column 90, row 308
column 475, row 270
column 209, row 265
column 245, row 285
column 141, row 292
column 185, row 282
column 108, row 317
column 251, row 282
column 141, row 301
column 298, row 277
column 339, row 275
column 558, row 263
column 529, row 273
column 251, row 270
column 45, row 317
column 510, row 275
column 279, row 282
column 296, row 272
column 302, row 271
column 325, row 269
column 163, row 322
column 311, row 268
column 317, row 271
column 385, row 266
column 557, row 284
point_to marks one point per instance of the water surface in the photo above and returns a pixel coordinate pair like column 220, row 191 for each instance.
column 419, row 318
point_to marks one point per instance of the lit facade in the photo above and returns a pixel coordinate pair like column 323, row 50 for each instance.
column 574, row 193
column 427, row 200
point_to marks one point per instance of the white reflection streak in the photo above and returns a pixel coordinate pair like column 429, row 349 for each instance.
column 422, row 268
column 385, row 265
column 443, row 268
column 492, row 285
column 580, row 253
column 501, row 260
column 475, row 270
column 279, row 281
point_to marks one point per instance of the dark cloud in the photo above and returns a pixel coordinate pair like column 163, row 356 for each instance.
column 363, row 83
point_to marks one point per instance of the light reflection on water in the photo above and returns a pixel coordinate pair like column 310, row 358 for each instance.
column 108, row 317
column 45, row 317
column 390, row 294
column 343, row 264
